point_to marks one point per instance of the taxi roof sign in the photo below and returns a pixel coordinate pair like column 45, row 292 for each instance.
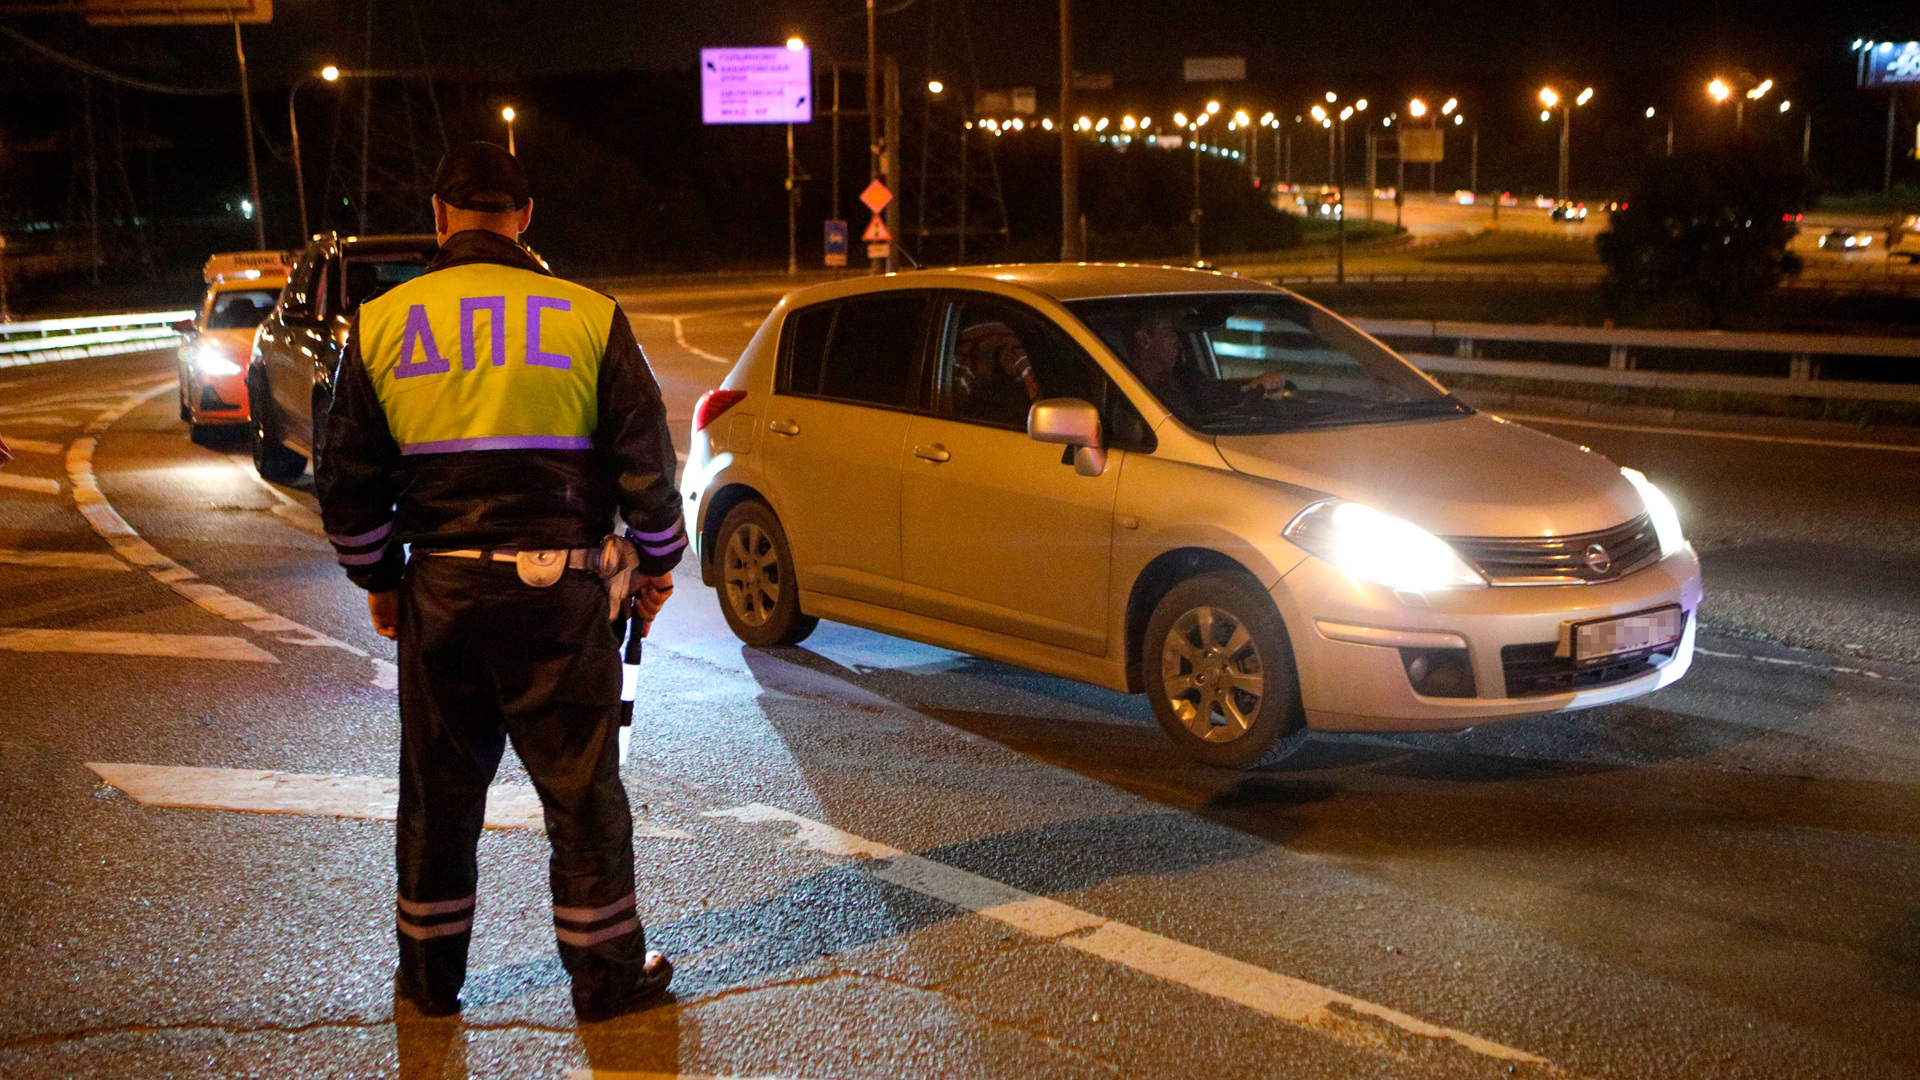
column 248, row 265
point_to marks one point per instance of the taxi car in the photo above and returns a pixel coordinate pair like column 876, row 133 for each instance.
column 297, row 351
column 1186, row 484
column 242, row 287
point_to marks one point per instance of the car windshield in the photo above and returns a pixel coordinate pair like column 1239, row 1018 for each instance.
column 1250, row 364
column 241, row 309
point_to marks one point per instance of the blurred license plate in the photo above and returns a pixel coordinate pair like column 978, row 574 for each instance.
column 1627, row 634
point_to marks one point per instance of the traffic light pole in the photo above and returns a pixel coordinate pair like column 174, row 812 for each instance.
column 1070, row 247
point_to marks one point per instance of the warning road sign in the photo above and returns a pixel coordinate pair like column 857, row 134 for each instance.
column 876, row 196
column 876, row 232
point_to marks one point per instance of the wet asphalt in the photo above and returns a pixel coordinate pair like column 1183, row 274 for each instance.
column 1721, row 880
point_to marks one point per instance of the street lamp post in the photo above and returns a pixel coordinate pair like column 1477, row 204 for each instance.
column 329, row 73
column 1552, row 100
column 508, row 114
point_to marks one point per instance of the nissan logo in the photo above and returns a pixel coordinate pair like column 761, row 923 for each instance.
column 1598, row 561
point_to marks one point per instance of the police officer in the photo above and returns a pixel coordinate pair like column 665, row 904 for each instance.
column 495, row 420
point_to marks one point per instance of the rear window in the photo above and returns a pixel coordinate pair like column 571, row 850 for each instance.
column 857, row 350
column 241, row 309
column 368, row 276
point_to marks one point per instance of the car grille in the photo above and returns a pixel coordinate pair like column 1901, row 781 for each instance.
column 1562, row 560
column 1533, row 670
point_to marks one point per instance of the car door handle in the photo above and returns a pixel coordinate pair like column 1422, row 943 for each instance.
column 935, row 453
column 783, row 427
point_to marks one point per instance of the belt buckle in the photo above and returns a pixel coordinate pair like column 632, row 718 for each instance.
column 540, row 569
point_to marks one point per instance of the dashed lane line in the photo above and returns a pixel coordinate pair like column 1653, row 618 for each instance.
column 35, row 446
column 1699, row 433
column 133, row 548
column 680, row 336
column 368, row 798
column 38, row 484
column 62, row 560
column 1782, row 661
column 115, row 643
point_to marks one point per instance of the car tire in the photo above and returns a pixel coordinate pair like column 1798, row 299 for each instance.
column 271, row 458
column 759, row 594
column 1218, row 668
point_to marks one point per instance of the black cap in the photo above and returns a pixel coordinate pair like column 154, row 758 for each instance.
column 476, row 169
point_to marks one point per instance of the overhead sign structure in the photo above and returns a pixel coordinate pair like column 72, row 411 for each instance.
column 1893, row 63
column 756, row 86
column 1216, row 68
column 176, row 12
column 1423, row 145
column 836, row 242
column 1025, row 100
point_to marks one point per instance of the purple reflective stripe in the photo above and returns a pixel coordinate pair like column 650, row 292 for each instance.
column 367, row 537
column 421, row 909
column 582, row 941
column 496, row 307
column 581, row 914
column 419, row 335
column 368, row 559
column 664, row 549
column 500, row 442
column 536, row 357
column 663, row 534
column 423, row 933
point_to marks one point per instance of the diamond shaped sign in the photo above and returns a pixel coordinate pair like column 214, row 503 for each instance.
column 876, row 196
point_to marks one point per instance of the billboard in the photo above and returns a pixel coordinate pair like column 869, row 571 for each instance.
column 1216, row 68
column 756, row 86
column 176, row 12
column 1422, row 145
column 1893, row 63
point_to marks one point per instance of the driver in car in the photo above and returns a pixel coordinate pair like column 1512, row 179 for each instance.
column 1157, row 353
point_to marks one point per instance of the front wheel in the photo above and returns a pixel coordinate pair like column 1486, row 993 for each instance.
column 758, row 593
column 271, row 458
column 1219, row 671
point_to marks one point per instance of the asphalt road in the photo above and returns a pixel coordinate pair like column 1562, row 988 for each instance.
column 1721, row 880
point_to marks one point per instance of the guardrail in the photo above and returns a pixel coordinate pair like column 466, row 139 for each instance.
column 46, row 340
column 1806, row 356
column 1899, row 283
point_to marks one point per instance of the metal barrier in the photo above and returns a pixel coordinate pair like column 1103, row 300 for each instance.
column 1804, row 354
column 46, row 340
column 1898, row 283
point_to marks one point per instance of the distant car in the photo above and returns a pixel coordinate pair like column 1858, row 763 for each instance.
column 1543, row 202
column 1846, row 240
column 1568, row 212
column 1463, row 197
column 1190, row 485
column 1508, row 198
column 242, row 288
column 297, row 351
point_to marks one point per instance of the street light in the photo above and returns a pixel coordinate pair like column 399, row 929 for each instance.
column 508, row 114
column 1551, row 99
column 330, row 73
column 936, row 87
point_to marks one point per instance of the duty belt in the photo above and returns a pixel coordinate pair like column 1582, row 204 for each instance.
column 613, row 561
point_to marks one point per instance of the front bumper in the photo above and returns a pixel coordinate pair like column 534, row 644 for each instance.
column 1347, row 685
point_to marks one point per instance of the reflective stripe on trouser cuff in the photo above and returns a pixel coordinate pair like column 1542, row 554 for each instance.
column 580, row 940
column 587, row 915
column 422, row 908
column 422, row 933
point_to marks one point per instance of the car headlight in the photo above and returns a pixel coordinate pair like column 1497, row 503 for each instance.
column 1666, row 520
column 211, row 360
column 1378, row 547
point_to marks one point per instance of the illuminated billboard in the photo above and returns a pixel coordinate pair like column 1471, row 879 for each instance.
column 756, row 86
column 1893, row 63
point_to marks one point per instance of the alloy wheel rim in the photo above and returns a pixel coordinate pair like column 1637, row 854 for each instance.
column 751, row 571
column 1210, row 668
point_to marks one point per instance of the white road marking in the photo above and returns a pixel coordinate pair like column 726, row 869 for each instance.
column 680, row 336
column 42, row 421
column 114, row 529
column 1739, row 436
column 115, row 643
column 1781, row 661
column 369, row 798
column 286, row 507
column 1283, row 997
column 34, row 446
column 62, row 560
column 38, row 484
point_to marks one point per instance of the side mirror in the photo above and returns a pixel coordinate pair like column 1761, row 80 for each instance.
column 1070, row 422
column 184, row 326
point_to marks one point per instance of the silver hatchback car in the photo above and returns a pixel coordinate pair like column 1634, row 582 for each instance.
column 1179, row 483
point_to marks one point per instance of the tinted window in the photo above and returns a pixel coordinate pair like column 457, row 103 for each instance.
column 869, row 354
column 998, row 358
column 303, row 288
column 241, row 309
column 369, row 276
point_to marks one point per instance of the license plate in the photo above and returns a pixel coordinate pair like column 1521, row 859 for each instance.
column 1638, row 632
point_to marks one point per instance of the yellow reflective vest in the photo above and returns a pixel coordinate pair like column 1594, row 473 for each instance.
column 486, row 357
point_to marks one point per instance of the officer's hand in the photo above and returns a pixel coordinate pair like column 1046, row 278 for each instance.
column 385, row 609
column 650, row 595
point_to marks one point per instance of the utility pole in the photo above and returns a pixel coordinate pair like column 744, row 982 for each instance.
column 1806, row 140
column 793, row 212
column 1473, row 170
column 1566, row 145
column 1070, row 247
column 876, row 156
column 1194, row 139
column 1886, row 175
column 253, row 167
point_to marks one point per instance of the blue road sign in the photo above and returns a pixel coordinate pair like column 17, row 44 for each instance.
column 836, row 243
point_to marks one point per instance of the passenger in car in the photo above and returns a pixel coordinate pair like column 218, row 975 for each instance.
column 1157, row 352
column 993, row 373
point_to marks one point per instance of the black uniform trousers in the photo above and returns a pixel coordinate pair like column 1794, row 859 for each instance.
column 484, row 658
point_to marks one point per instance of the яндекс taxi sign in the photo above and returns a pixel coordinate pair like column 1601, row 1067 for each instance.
column 756, row 86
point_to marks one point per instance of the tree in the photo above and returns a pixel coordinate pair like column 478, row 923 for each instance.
column 1711, row 225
